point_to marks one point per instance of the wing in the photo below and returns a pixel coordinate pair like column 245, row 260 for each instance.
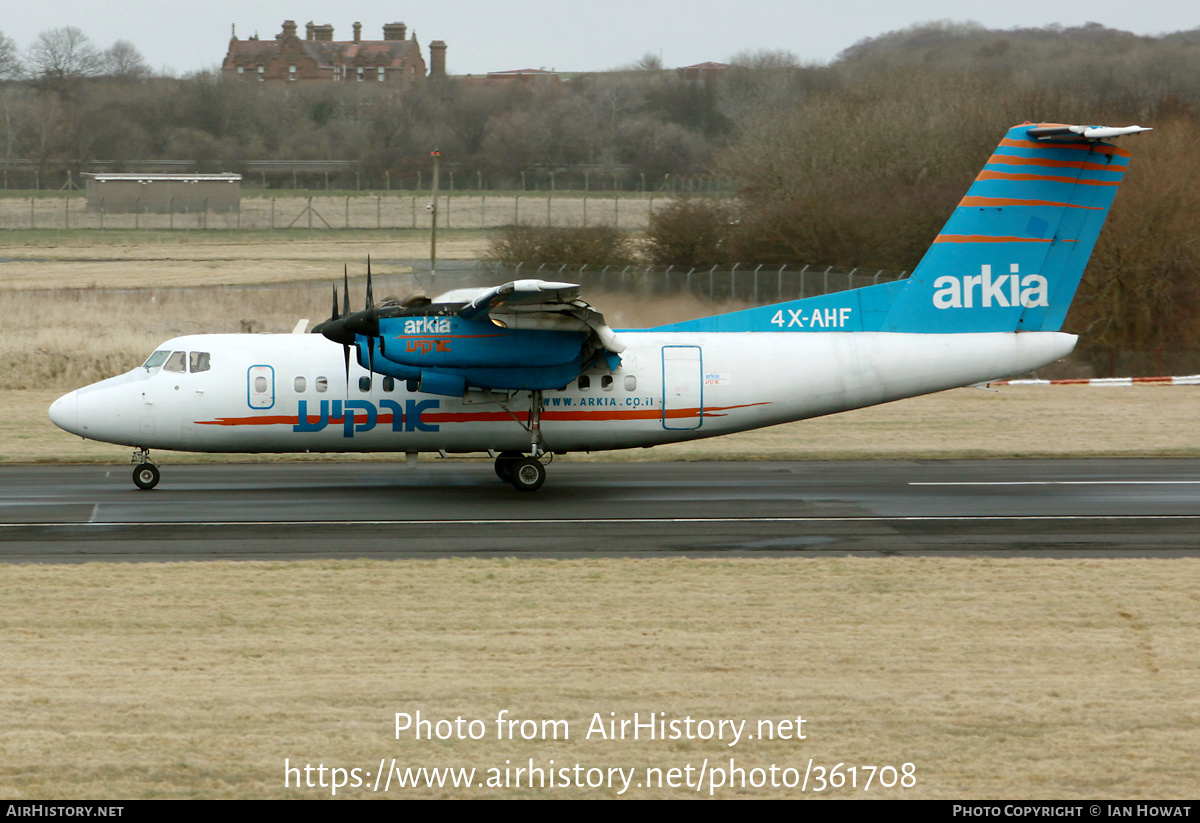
column 543, row 305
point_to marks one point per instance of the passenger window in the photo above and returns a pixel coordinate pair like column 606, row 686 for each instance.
column 364, row 384
column 260, row 384
column 630, row 383
column 389, row 384
column 199, row 361
column 606, row 382
column 585, row 382
column 301, row 384
column 322, row 384
column 176, row 362
column 156, row 360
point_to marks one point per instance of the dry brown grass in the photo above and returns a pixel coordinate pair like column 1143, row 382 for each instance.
column 996, row 678
column 180, row 263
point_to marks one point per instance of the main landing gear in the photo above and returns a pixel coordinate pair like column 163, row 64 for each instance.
column 526, row 474
column 145, row 474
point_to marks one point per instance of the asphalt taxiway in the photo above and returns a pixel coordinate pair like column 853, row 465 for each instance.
column 1093, row 508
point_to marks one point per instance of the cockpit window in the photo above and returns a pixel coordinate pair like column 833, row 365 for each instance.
column 199, row 361
column 156, row 360
column 176, row 362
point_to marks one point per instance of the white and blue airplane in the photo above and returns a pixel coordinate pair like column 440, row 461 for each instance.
column 527, row 370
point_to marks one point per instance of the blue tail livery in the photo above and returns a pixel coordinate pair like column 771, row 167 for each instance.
column 1009, row 259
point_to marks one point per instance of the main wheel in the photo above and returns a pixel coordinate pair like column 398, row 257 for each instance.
column 528, row 475
column 146, row 476
column 505, row 463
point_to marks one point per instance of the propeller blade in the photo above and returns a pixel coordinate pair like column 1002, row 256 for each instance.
column 370, row 294
column 346, row 290
column 334, row 315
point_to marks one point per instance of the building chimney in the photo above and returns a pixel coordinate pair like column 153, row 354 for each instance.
column 437, row 59
column 394, row 31
column 323, row 32
column 308, row 30
column 289, row 29
column 358, row 32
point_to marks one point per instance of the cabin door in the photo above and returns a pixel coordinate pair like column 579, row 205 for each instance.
column 683, row 387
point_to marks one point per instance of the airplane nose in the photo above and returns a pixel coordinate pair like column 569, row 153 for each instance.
column 64, row 412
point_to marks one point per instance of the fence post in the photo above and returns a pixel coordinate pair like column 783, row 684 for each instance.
column 733, row 281
column 171, row 214
column 585, row 206
column 779, row 284
column 414, row 206
column 137, row 209
column 756, row 283
column 517, row 208
column 206, row 212
column 711, row 274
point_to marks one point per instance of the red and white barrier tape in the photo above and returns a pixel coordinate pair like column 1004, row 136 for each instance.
column 1187, row 380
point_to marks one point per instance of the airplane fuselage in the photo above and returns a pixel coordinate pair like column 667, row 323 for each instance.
column 288, row 392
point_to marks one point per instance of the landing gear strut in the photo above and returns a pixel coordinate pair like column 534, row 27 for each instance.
column 526, row 474
column 145, row 474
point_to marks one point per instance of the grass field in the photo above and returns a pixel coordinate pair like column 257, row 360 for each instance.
column 994, row 678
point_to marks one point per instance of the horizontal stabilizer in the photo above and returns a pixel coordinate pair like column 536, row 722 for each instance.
column 1047, row 133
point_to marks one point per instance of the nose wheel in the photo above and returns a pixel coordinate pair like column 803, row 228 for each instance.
column 146, row 476
column 145, row 473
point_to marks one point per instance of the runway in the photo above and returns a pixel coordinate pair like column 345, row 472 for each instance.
column 280, row 511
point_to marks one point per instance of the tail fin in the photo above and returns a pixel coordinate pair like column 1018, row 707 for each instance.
column 1013, row 252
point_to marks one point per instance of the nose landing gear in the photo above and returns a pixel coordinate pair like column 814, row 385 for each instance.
column 145, row 474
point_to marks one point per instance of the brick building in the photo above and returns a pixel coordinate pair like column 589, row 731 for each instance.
column 395, row 59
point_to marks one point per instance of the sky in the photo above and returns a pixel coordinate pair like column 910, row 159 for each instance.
column 183, row 36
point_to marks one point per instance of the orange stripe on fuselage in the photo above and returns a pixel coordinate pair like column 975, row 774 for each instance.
column 597, row 414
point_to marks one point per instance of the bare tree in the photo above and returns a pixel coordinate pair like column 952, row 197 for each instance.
column 65, row 52
column 123, row 60
column 10, row 63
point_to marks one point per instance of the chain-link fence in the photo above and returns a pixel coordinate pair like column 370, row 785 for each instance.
column 353, row 212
